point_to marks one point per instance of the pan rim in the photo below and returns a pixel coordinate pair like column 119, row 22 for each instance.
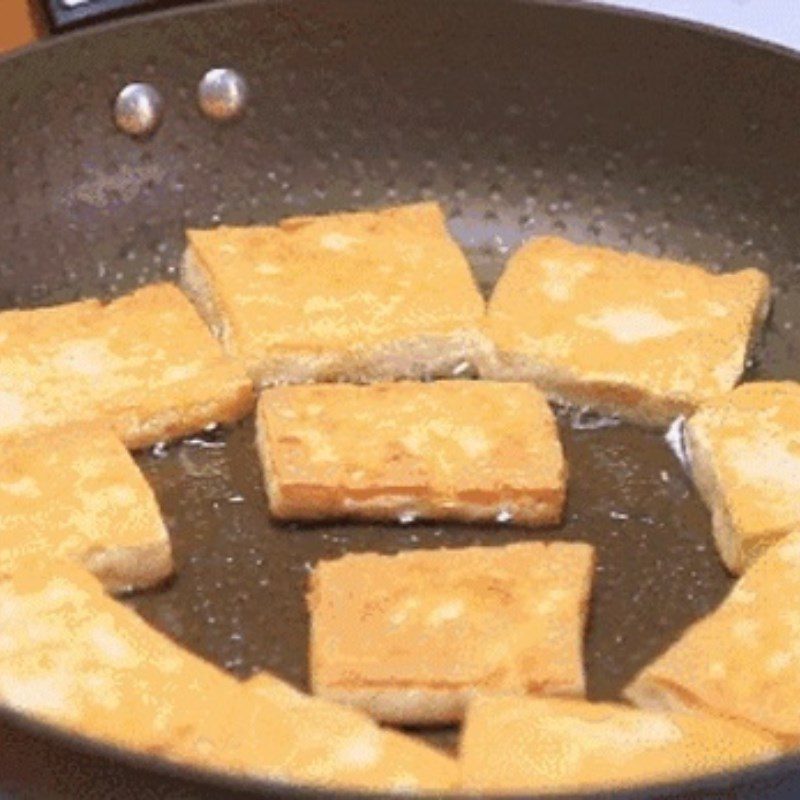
column 581, row 6
column 784, row 767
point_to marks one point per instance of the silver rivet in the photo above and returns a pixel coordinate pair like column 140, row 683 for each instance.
column 138, row 109
column 222, row 94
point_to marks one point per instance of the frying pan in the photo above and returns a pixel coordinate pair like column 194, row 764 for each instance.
column 523, row 118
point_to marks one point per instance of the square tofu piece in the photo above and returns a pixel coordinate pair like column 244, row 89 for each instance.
column 647, row 339
column 744, row 449
column 411, row 638
column 78, row 494
column 465, row 450
column 552, row 746
column 144, row 365
column 743, row 660
column 357, row 297
column 73, row 657
column 274, row 731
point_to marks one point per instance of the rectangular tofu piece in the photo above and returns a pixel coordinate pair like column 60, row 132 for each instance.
column 465, row 450
column 544, row 746
column 144, row 365
column 72, row 657
column 643, row 338
column 274, row 731
column 373, row 295
column 411, row 638
column 743, row 660
column 77, row 494
column 744, row 450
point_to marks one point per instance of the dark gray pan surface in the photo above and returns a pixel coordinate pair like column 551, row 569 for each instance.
column 522, row 119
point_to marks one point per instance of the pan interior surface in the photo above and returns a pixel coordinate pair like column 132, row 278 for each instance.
column 522, row 119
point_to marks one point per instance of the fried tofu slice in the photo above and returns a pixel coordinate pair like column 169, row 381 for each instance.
column 545, row 746
column 643, row 338
column 77, row 494
column 73, row 657
column 277, row 732
column 412, row 638
column 464, row 450
column 744, row 450
column 743, row 660
column 144, row 365
column 373, row 295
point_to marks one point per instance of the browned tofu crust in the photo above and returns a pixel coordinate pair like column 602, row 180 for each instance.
column 76, row 493
column 72, row 656
column 276, row 731
column 536, row 745
column 464, row 450
column 411, row 638
column 372, row 295
column 743, row 660
column 744, row 448
column 645, row 338
column 144, row 365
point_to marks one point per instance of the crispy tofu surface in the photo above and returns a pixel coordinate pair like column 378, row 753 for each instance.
column 648, row 339
column 551, row 746
column 144, row 365
column 743, row 660
column 76, row 493
column 745, row 454
column 357, row 296
column 410, row 638
column 454, row 449
column 72, row 656
column 276, row 731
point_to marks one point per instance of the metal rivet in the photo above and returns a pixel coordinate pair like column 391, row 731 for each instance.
column 222, row 94
column 138, row 109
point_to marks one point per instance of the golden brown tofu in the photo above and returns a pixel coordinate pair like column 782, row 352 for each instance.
column 274, row 731
column 744, row 449
column 373, row 295
column 464, row 450
column 743, row 660
column 76, row 493
column 411, row 638
column 144, row 365
column 543, row 746
column 73, row 657
column 645, row 338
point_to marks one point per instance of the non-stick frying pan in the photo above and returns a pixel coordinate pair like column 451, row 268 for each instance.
column 523, row 118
